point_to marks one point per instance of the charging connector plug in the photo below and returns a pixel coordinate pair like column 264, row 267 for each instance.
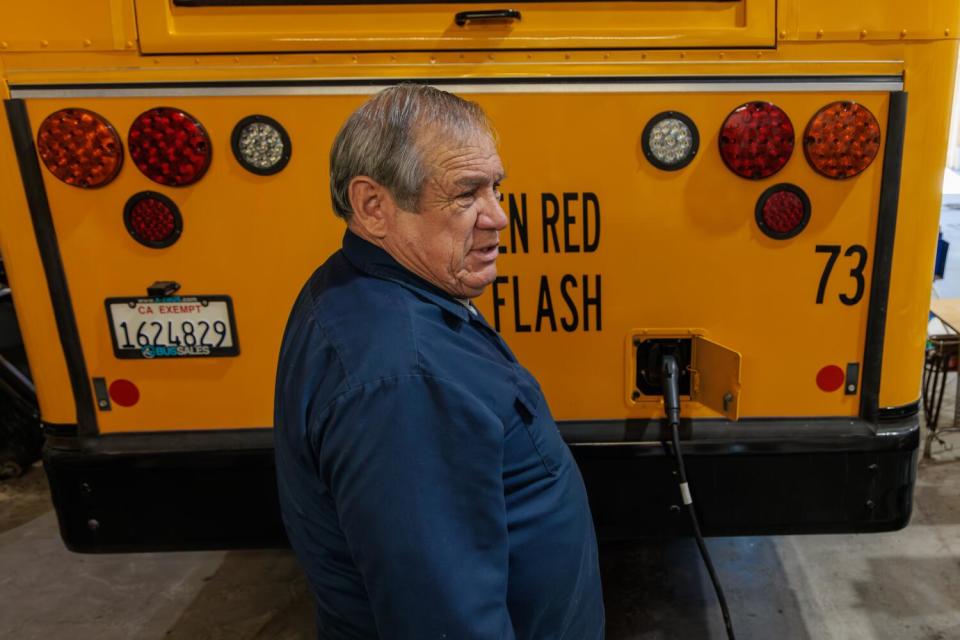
column 670, row 375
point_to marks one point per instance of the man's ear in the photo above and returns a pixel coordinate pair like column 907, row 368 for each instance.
column 372, row 206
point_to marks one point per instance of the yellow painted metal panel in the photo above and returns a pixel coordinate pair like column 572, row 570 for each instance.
column 676, row 249
column 26, row 278
column 736, row 23
column 64, row 25
column 885, row 20
column 673, row 249
column 929, row 85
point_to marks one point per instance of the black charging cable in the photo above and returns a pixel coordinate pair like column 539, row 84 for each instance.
column 670, row 375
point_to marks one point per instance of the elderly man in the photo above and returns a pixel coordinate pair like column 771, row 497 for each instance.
column 423, row 482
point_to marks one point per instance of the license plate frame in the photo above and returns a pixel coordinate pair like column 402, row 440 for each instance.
column 155, row 351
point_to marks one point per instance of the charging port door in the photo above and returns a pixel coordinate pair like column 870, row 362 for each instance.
column 716, row 377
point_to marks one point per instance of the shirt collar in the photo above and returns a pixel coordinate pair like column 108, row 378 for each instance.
column 373, row 260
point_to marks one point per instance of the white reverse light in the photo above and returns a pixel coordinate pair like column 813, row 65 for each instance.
column 261, row 145
column 670, row 140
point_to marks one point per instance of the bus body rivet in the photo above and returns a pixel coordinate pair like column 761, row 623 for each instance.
column 93, row 524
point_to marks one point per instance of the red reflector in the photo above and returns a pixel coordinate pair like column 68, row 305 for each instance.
column 756, row 140
column 830, row 378
column 153, row 219
column 170, row 146
column 841, row 140
column 124, row 393
column 80, row 148
column 783, row 211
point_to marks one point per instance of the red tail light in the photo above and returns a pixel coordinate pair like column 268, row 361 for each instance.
column 170, row 146
column 153, row 219
column 841, row 140
column 756, row 140
column 80, row 148
column 783, row 211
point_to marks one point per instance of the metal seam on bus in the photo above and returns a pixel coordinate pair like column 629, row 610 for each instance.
column 594, row 84
column 49, row 249
column 883, row 258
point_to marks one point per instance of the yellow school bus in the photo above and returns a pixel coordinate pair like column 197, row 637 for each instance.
column 752, row 186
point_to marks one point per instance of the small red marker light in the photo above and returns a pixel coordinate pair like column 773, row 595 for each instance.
column 783, row 211
column 153, row 219
column 830, row 378
column 124, row 393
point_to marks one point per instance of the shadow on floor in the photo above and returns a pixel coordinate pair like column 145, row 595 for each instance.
column 253, row 595
column 660, row 589
column 654, row 590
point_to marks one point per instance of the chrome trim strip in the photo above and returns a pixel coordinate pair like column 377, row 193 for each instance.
column 526, row 85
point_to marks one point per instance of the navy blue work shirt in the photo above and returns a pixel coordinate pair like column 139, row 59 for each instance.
column 423, row 482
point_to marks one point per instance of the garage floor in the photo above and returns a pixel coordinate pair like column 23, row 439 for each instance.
column 896, row 586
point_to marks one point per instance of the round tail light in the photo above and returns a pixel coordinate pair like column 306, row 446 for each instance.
column 670, row 140
column 153, row 219
column 261, row 145
column 80, row 148
column 783, row 211
column 170, row 146
column 841, row 140
column 756, row 140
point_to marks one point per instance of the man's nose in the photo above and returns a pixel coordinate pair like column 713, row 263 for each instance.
column 492, row 215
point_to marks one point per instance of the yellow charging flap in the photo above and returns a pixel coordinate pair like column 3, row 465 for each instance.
column 716, row 377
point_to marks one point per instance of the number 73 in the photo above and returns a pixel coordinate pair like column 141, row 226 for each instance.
column 856, row 272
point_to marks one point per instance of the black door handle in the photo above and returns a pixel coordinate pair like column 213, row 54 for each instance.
column 464, row 17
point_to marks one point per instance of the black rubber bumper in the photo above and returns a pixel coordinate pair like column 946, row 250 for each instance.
column 165, row 492
column 753, row 477
column 217, row 490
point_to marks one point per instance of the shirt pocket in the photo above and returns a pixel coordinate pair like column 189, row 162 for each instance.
column 540, row 426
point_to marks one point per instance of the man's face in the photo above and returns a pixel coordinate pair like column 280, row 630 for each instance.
column 453, row 240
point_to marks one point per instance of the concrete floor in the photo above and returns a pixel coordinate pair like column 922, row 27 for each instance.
column 896, row 586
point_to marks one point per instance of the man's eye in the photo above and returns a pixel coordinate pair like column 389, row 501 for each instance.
column 467, row 194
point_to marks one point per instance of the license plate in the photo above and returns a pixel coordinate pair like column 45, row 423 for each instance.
column 172, row 327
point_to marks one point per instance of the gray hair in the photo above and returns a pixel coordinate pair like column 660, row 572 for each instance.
column 382, row 139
